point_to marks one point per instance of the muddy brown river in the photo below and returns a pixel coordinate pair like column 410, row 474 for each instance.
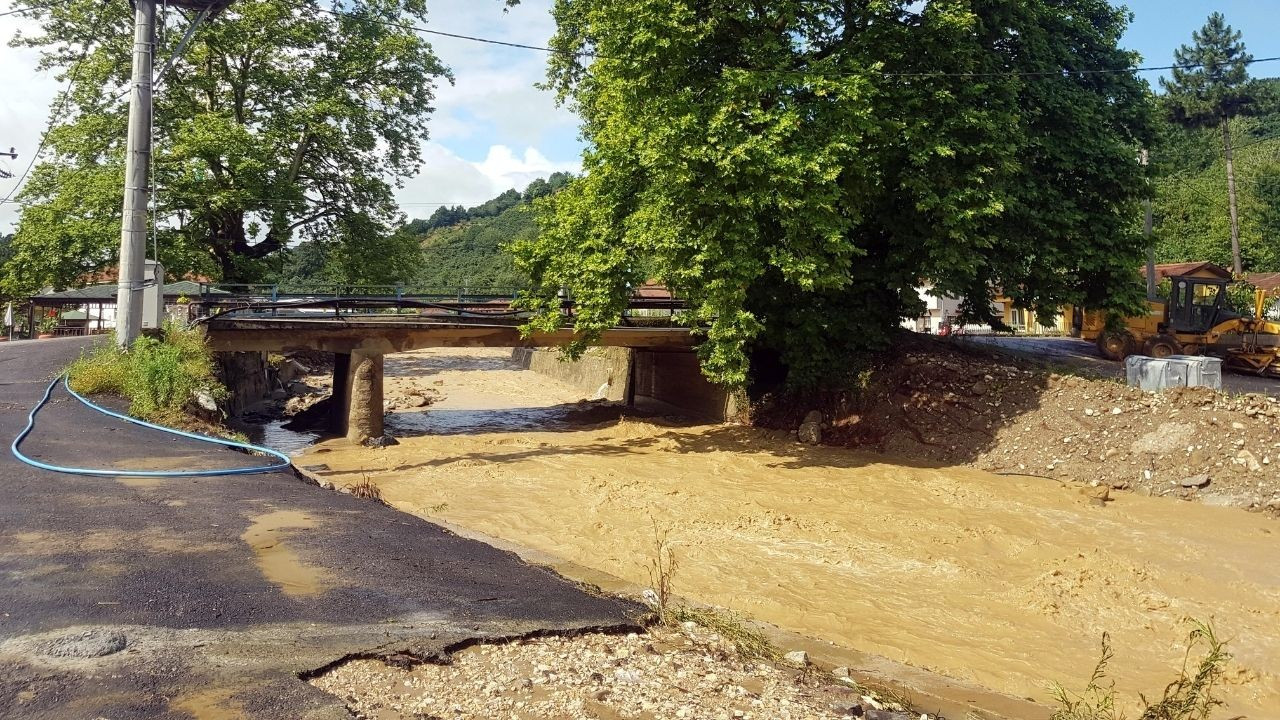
column 1003, row 581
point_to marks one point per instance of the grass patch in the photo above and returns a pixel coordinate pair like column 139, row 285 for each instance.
column 159, row 377
column 751, row 644
column 1189, row 697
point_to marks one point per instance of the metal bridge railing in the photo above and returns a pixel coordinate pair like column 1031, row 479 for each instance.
column 347, row 299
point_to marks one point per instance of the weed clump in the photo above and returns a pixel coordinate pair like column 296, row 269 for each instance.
column 365, row 488
column 159, row 377
column 750, row 643
column 1189, row 697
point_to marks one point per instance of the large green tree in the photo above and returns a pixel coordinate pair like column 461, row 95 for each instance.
column 283, row 120
column 795, row 169
column 1210, row 86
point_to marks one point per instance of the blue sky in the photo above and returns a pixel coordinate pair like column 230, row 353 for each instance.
column 1159, row 26
column 493, row 130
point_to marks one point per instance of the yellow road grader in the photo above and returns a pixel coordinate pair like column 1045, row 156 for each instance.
column 1197, row 319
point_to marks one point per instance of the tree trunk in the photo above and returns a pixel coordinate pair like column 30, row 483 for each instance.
column 1236, row 267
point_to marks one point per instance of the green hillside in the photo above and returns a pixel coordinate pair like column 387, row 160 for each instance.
column 470, row 254
column 465, row 247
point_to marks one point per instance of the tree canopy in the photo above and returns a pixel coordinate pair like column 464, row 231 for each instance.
column 1192, row 218
column 281, row 120
column 1210, row 78
column 794, row 169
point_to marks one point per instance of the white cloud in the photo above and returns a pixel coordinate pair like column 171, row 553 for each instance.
column 492, row 129
column 447, row 179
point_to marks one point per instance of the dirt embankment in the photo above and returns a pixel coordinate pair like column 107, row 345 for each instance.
column 958, row 405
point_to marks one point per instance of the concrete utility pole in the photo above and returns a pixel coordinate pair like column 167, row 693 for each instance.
column 133, row 229
column 1146, row 235
column 1237, row 268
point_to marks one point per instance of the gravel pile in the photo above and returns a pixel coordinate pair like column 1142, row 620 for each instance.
column 947, row 405
column 689, row 673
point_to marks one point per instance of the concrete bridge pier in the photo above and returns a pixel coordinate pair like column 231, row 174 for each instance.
column 357, row 395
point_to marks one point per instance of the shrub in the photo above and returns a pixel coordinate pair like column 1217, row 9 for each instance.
column 158, row 377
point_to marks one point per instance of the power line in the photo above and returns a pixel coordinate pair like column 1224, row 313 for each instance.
column 1257, row 142
column 16, row 10
column 856, row 73
column 66, row 94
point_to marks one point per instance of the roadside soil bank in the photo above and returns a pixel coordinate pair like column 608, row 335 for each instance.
column 958, row 404
column 661, row 675
column 1005, row 581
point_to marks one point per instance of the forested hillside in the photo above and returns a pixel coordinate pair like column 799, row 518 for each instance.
column 465, row 248
column 1191, row 211
column 455, row 248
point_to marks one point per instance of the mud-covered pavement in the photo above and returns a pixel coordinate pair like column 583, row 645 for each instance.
column 1008, row 582
column 1077, row 353
column 210, row 598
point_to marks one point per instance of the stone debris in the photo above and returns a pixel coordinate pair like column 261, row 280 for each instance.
column 661, row 675
column 810, row 430
column 797, row 657
column 85, row 644
column 952, row 404
column 1195, row 481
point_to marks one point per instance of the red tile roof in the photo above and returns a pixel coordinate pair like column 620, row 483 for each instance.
column 1165, row 270
column 1268, row 281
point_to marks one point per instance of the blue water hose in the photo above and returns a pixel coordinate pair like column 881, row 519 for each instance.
column 31, row 423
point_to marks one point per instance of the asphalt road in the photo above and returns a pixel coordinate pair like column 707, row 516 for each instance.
column 211, row 597
column 1083, row 354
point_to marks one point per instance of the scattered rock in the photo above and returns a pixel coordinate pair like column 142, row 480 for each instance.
column 810, row 433
column 86, row 644
column 813, row 416
column 1166, row 438
column 1195, row 481
column 1246, row 459
column 382, row 441
column 797, row 657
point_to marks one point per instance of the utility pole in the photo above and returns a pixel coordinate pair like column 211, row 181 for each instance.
column 1146, row 235
column 133, row 228
column 1237, row 268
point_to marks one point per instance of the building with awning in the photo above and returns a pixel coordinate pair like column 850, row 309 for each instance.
column 91, row 309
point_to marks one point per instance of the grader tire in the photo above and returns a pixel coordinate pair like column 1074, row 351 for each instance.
column 1115, row 344
column 1162, row 346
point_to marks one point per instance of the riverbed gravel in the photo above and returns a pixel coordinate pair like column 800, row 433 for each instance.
column 666, row 674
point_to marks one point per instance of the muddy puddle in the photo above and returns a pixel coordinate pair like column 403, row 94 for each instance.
column 272, row 433
column 267, row 535
column 1007, row 582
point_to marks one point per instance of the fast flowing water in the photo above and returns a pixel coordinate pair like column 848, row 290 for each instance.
column 1006, row 582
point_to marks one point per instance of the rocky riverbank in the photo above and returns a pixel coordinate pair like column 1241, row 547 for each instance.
column 957, row 405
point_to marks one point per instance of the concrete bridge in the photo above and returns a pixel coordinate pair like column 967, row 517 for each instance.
column 360, row 340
